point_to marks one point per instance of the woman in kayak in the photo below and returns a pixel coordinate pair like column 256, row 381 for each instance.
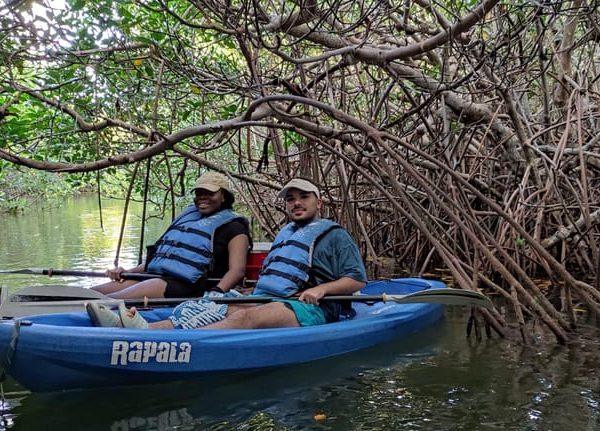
column 206, row 242
column 310, row 258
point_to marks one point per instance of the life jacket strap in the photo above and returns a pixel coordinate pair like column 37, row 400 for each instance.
column 179, row 244
column 291, row 242
column 296, row 280
column 301, row 266
column 199, row 266
column 192, row 230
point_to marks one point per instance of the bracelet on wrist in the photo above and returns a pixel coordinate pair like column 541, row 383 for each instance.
column 217, row 289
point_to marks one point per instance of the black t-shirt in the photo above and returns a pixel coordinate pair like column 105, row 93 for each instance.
column 223, row 235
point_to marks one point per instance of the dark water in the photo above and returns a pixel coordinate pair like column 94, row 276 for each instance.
column 437, row 379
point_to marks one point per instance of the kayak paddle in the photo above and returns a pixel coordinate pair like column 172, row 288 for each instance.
column 139, row 276
column 435, row 296
column 61, row 299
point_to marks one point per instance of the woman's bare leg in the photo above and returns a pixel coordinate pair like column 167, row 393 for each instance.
column 114, row 286
column 152, row 288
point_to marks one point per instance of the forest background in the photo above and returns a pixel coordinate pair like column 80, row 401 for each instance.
column 460, row 135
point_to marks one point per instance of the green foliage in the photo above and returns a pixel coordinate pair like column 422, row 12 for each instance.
column 291, row 138
column 18, row 189
column 13, row 205
column 110, row 83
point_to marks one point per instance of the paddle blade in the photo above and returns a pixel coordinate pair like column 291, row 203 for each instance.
column 22, row 271
column 444, row 296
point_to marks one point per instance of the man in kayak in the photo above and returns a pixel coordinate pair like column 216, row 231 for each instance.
column 310, row 258
column 207, row 240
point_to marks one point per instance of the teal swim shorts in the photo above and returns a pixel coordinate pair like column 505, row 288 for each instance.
column 306, row 314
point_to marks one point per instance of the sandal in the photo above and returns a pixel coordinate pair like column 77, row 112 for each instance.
column 101, row 315
column 135, row 322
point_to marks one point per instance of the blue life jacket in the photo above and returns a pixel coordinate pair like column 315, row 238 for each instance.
column 185, row 250
column 287, row 267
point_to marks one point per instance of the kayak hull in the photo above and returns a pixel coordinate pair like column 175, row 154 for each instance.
column 64, row 351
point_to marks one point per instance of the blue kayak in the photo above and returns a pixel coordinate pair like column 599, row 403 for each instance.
column 64, row 351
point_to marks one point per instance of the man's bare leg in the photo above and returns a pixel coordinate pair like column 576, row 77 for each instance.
column 271, row 315
column 163, row 324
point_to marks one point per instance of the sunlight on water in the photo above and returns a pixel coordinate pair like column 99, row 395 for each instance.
column 589, row 397
column 71, row 237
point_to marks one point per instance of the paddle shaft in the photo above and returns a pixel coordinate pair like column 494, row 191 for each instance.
column 242, row 300
column 50, row 272
column 437, row 296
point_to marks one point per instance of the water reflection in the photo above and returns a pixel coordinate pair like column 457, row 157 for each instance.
column 488, row 386
column 172, row 419
column 70, row 237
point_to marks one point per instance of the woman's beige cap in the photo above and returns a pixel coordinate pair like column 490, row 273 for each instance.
column 300, row 184
column 213, row 181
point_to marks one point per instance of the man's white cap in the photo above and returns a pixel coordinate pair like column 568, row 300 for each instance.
column 300, row 184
